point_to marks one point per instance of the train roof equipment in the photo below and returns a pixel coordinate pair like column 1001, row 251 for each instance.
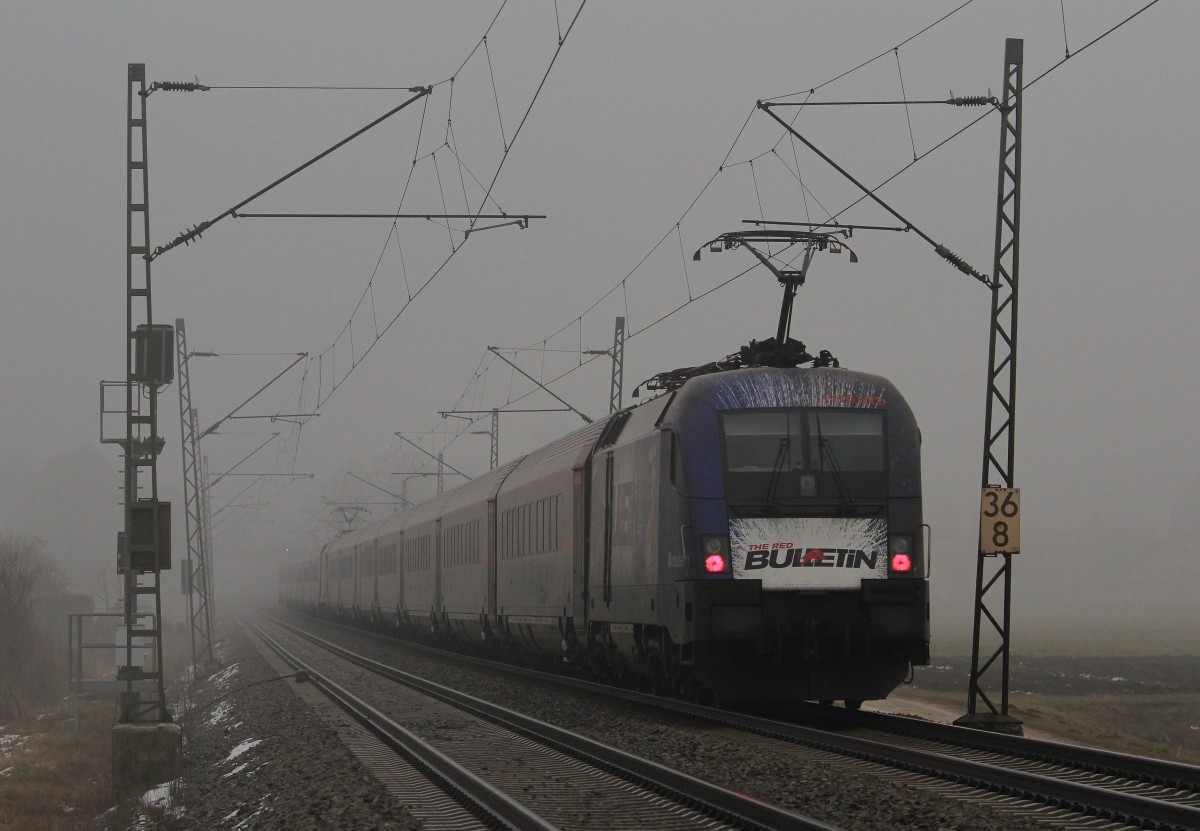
column 781, row 351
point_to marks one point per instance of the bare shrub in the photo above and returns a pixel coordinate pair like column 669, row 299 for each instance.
column 27, row 573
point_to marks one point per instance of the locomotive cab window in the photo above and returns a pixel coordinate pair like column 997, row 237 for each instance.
column 804, row 461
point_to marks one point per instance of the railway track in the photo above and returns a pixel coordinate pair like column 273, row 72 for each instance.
column 507, row 770
column 1072, row 786
column 1137, row 775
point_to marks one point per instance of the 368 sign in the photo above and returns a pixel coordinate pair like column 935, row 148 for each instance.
column 1000, row 521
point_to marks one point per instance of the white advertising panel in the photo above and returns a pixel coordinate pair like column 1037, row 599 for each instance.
column 808, row 552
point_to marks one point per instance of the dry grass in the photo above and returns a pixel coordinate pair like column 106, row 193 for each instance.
column 1111, row 638
column 1163, row 726
column 62, row 782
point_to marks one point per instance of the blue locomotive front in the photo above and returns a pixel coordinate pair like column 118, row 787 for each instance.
column 773, row 521
column 805, row 569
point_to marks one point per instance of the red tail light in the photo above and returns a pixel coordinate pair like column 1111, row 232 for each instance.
column 715, row 550
column 901, row 562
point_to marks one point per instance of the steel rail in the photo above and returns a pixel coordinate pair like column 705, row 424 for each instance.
column 490, row 804
column 1087, row 799
column 1135, row 768
column 697, row 794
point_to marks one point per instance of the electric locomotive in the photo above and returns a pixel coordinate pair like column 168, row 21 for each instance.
column 752, row 533
column 790, row 557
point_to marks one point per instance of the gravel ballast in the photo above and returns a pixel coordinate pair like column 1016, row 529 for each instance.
column 258, row 756
column 835, row 790
column 267, row 754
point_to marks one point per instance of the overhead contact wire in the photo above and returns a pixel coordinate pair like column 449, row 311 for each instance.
column 804, row 191
column 537, row 93
column 904, row 98
column 487, row 196
column 1062, row 4
column 488, row 54
column 981, row 117
column 866, row 63
column 1091, row 42
column 683, row 260
column 725, row 161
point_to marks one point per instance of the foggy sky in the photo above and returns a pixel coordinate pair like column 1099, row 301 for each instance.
column 640, row 111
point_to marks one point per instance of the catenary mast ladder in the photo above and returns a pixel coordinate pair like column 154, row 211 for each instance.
column 993, row 594
column 618, row 366
column 140, row 702
column 196, row 584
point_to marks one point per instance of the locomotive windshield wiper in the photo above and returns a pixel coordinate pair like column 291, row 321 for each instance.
column 781, row 458
column 825, row 447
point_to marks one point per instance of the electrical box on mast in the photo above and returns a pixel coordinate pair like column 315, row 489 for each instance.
column 154, row 354
column 151, row 540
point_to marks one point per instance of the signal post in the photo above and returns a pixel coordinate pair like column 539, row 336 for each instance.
column 146, row 745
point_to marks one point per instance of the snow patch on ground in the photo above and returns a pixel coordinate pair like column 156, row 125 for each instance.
column 14, row 741
column 250, row 819
column 157, row 804
column 158, row 797
column 223, row 677
column 9, row 770
column 219, row 714
column 242, row 748
column 235, row 771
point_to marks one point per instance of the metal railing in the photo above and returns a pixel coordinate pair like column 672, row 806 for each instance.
column 104, row 680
